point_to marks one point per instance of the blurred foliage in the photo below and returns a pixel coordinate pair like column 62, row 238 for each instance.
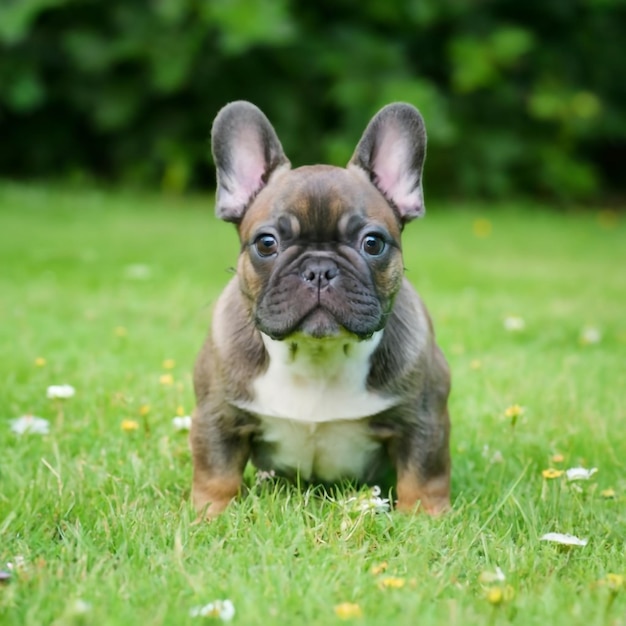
column 518, row 97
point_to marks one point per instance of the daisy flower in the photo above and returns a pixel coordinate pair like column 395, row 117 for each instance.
column 129, row 425
column 488, row 577
column 514, row 323
column 30, row 424
column 580, row 473
column 369, row 502
column 222, row 609
column 18, row 563
column 80, row 607
column 514, row 412
column 590, row 335
column 182, row 422
column 138, row 271
column 499, row 595
column 348, row 610
column 563, row 539
column 614, row 582
column 60, row 391
column 392, row 582
column 379, row 568
column 551, row 473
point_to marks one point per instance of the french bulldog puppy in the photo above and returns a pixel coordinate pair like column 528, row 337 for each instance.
column 321, row 363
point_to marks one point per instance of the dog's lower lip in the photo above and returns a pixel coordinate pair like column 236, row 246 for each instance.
column 298, row 329
column 319, row 322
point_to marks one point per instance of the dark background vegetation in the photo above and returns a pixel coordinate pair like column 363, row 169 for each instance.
column 519, row 97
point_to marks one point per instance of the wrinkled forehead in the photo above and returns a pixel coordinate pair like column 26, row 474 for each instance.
column 321, row 202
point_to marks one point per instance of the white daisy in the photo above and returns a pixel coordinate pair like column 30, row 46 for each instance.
column 580, row 473
column 264, row 476
column 138, row 271
column 369, row 502
column 563, row 539
column 514, row 323
column 182, row 422
column 60, row 391
column 488, row 577
column 80, row 607
column 30, row 424
column 589, row 335
column 18, row 563
column 224, row 609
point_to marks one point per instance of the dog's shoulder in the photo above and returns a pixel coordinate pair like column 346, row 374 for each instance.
column 404, row 358
column 233, row 352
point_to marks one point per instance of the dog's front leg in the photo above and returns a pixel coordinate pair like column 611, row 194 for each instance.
column 220, row 446
column 422, row 461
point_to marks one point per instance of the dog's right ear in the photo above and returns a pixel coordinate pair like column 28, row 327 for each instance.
column 246, row 152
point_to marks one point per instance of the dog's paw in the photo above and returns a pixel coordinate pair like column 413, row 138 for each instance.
column 211, row 497
column 431, row 496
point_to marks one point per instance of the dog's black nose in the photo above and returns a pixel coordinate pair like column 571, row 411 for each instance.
column 319, row 271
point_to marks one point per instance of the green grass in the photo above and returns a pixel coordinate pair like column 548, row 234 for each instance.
column 103, row 515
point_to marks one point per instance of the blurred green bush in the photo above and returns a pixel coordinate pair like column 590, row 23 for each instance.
column 518, row 97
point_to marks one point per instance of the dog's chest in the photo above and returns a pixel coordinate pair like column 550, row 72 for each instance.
column 325, row 451
column 313, row 404
column 317, row 380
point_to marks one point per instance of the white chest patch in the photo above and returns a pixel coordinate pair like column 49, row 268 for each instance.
column 312, row 400
column 317, row 380
column 329, row 451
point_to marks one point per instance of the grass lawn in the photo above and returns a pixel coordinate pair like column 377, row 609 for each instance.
column 114, row 292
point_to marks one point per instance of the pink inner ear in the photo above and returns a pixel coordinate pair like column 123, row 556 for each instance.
column 246, row 175
column 394, row 176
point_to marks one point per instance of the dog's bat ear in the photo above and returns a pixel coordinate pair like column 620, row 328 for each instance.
column 392, row 152
column 246, row 152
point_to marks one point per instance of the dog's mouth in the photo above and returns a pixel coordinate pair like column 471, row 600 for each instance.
column 319, row 323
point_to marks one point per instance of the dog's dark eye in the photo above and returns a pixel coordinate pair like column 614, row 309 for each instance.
column 266, row 245
column 373, row 244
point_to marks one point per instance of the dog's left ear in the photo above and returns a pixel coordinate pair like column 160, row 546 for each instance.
column 246, row 151
column 392, row 152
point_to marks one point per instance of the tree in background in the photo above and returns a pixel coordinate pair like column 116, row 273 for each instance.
column 519, row 98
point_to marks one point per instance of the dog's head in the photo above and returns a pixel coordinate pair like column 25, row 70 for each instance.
column 320, row 245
